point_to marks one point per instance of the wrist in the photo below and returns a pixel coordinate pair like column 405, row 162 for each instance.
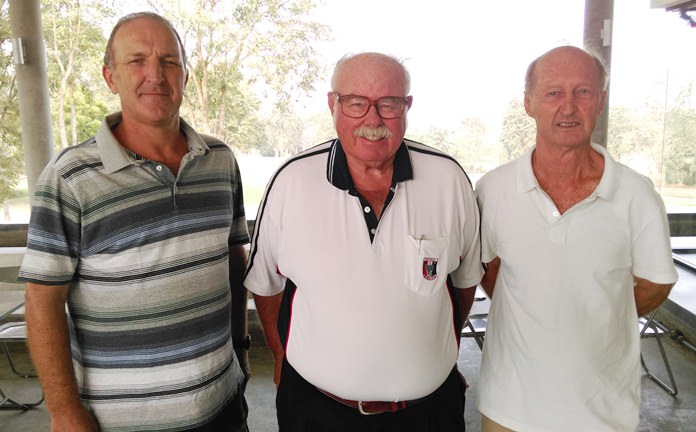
column 244, row 343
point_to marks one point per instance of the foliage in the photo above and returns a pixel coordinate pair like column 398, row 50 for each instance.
column 75, row 44
column 236, row 51
column 519, row 131
column 10, row 137
column 680, row 130
column 250, row 60
column 438, row 138
column 243, row 53
column 283, row 135
column 657, row 139
column 635, row 137
column 472, row 151
column 318, row 128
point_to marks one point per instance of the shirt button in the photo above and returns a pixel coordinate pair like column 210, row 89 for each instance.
column 367, row 209
column 373, row 231
column 159, row 168
column 556, row 214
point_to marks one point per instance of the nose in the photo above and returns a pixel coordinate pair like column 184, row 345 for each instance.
column 372, row 117
column 569, row 105
column 153, row 72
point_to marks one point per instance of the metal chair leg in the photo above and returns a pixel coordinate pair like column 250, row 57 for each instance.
column 7, row 402
column 657, row 333
column 13, row 368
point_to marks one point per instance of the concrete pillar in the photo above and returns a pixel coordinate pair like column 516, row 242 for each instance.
column 599, row 24
column 32, row 88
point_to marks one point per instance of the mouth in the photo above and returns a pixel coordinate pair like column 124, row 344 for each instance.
column 566, row 125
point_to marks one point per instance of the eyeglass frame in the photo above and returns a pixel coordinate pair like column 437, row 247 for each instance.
column 373, row 103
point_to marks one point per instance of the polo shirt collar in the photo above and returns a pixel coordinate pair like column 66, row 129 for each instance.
column 116, row 157
column 609, row 182
column 337, row 167
column 526, row 180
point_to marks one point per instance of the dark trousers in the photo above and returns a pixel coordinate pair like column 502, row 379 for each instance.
column 233, row 418
column 302, row 408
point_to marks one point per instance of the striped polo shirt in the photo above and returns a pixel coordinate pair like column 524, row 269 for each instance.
column 146, row 257
column 368, row 311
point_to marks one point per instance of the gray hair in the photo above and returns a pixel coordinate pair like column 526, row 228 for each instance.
column 596, row 56
column 348, row 57
column 108, row 53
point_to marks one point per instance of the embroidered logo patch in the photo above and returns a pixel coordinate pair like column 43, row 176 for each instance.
column 430, row 268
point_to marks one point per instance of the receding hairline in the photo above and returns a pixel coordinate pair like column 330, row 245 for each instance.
column 349, row 58
column 602, row 69
column 108, row 52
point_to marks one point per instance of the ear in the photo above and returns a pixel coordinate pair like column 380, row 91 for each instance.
column 528, row 106
column 108, row 75
column 409, row 101
column 603, row 100
column 331, row 99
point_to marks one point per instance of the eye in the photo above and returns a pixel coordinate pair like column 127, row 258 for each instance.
column 170, row 63
column 356, row 104
column 387, row 106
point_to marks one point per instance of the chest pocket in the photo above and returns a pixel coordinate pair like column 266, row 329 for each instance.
column 426, row 264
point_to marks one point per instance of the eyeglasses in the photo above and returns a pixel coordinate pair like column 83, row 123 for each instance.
column 388, row 107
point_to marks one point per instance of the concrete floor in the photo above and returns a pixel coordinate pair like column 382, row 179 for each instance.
column 660, row 412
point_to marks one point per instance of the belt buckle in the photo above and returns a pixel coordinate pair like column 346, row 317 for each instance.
column 363, row 412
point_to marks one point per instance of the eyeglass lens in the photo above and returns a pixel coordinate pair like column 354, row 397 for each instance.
column 357, row 106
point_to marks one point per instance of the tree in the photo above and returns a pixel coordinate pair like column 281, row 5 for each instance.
column 680, row 130
column 439, row 138
column 239, row 49
column 471, row 151
column 519, row 131
column 634, row 137
column 318, row 128
column 75, row 44
column 11, row 154
column 283, row 134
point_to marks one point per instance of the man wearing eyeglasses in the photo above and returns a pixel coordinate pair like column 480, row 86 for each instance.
column 363, row 264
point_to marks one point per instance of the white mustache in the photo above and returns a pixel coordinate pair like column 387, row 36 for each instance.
column 373, row 134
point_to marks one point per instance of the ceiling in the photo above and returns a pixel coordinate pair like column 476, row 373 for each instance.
column 674, row 5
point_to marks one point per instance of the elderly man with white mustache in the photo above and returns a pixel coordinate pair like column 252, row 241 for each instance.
column 363, row 266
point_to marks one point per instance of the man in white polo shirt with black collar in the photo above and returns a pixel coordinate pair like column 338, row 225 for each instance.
column 364, row 263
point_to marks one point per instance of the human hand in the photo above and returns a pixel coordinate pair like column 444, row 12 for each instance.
column 278, row 366
column 78, row 420
column 243, row 358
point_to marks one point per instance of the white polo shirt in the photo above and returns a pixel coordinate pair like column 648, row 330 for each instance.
column 371, row 316
column 562, row 343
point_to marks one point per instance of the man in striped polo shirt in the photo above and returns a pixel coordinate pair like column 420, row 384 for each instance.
column 140, row 230
column 371, row 241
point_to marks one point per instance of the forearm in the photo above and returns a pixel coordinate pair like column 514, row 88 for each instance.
column 465, row 299
column 49, row 345
column 268, row 309
column 649, row 295
column 490, row 276
column 237, row 264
